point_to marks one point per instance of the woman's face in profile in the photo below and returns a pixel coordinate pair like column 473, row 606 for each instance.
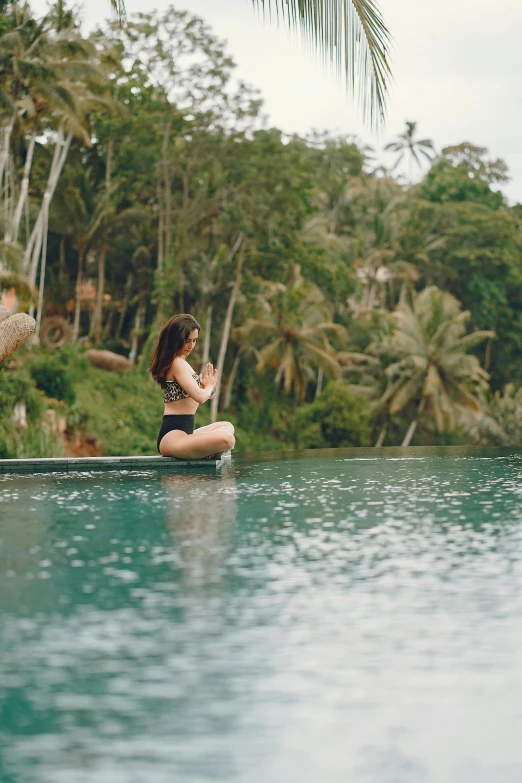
column 190, row 343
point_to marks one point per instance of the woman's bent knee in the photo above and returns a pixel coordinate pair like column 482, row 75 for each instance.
column 228, row 441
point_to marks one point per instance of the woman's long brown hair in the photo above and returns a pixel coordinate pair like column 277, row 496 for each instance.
column 172, row 338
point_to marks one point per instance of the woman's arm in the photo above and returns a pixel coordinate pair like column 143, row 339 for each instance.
column 183, row 374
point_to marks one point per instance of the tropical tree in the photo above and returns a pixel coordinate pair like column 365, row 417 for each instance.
column 430, row 372
column 85, row 212
column 464, row 172
column 406, row 144
column 40, row 74
column 499, row 421
column 378, row 214
column 292, row 329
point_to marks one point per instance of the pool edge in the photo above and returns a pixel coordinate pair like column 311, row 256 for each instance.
column 96, row 464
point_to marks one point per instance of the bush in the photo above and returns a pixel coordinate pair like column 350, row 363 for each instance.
column 34, row 440
column 54, row 380
column 19, row 386
column 337, row 418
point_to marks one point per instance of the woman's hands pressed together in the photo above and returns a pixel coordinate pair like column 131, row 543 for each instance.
column 208, row 378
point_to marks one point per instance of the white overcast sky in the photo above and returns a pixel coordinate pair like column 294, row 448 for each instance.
column 456, row 66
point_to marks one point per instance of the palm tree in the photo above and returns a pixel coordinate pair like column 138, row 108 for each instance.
column 85, row 212
column 292, row 328
column 45, row 75
column 407, row 144
column 430, row 369
column 69, row 120
column 378, row 217
column 499, row 422
column 350, row 34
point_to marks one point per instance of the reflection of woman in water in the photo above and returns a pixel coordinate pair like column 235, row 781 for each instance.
column 201, row 530
column 184, row 391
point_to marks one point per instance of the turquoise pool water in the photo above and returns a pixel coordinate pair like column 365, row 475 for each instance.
column 325, row 618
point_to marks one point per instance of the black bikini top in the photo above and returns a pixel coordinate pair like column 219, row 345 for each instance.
column 175, row 392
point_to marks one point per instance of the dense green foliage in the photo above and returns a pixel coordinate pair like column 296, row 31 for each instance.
column 336, row 419
column 344, row 304
column 52, row 379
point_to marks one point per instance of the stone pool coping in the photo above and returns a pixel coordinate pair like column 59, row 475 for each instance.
column 90, row 464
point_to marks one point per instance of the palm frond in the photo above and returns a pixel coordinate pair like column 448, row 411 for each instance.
column 358, row 359
column 472, row 340
column 118, row 6
column 406, row 393
column 352, row 36
column 327, row 361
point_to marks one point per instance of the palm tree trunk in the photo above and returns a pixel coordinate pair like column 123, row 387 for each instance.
column 108, row 168
column 125, row 304
column 185, row 202
column 6, row 199
column 231, row 378
column 166, row 183
column 206, row 343
column 135, row 332
column 4, row 151
column 410, row 433
column 24, row 188
column 96, row 322
column 61, row 263
column 239, row 245
column 382, row 435
column 107, row 326
column 413, row 426
column 76, row 325
column 27, row 220
column 42, row 273
column 161, row 229
column 32, row 249
column 97, row 319
column 35, row 241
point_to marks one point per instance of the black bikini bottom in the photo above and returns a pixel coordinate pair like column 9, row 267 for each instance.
column 171, row 422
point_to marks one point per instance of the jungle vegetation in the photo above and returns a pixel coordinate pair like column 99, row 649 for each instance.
column 343, row 301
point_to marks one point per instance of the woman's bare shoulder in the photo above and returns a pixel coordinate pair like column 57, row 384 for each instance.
column 180, row 365
column 174, row 368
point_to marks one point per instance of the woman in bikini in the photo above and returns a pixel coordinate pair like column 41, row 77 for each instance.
column 184, row 391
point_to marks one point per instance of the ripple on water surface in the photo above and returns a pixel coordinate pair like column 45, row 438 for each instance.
column 283, row 620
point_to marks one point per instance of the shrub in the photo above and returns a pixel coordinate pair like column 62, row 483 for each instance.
column 337, row 418
column 19, row 386
column 34, row 440
column 54, row 380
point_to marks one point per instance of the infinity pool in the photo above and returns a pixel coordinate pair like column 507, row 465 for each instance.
column 319, row 617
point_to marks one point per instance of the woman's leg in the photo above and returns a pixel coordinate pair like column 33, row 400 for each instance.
column 197, row 446
column 212, row 427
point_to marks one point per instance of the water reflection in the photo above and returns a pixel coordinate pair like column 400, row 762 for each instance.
column 201, row 518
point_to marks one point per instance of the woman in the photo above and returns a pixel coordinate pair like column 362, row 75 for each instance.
column 184, row 392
